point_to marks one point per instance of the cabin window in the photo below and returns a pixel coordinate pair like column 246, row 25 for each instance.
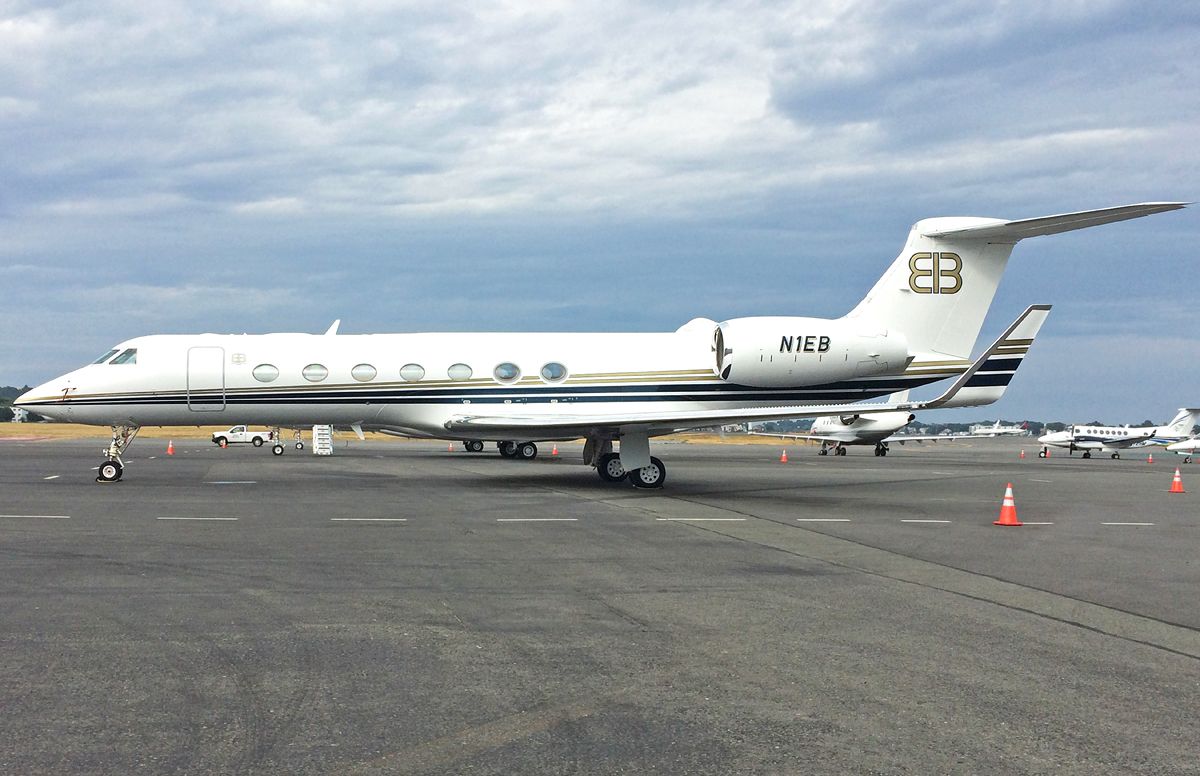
column 315, row 373
column 411, row 373
column 265, row 373
column 106, row 356
column 554, row 372
column 364, row 373
column 459, row 372
column 128, row 357
column 507, row 372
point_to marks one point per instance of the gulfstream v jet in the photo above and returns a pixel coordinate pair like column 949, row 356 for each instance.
column 917, row 325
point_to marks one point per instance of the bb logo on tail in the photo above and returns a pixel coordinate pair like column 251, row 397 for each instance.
column 943, row 270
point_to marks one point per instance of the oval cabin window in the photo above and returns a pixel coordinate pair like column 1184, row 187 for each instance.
column 315, row 373
column 364, row 373
column 459, row 372
column 554, row 372
column 265, row 373
column 507, row 372
column 412, row 372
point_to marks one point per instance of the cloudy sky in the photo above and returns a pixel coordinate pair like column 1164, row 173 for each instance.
column 275, row 164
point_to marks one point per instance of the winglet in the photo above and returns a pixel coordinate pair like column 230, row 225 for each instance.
column 985, row 381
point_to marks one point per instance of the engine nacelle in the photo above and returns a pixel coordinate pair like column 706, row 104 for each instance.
column 784, row 352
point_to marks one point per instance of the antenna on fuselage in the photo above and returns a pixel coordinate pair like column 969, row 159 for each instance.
column 333, row 327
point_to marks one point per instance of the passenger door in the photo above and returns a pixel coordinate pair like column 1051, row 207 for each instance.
column 206, row 379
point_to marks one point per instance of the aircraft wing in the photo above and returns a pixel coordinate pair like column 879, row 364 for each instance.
column 801, row 435
column 983, row 383
column 902, row 438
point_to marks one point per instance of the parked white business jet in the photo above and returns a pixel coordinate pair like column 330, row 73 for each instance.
column 1113, row 439
column 917, row 325
column 996, row 430
column 1187, row 448
column 837, row 432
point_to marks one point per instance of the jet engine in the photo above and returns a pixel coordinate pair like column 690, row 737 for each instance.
column 784, row 352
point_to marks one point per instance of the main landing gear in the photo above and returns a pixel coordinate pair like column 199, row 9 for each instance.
column 881, row 448
column 522, row 451
column 610, row 470
column 112, row 468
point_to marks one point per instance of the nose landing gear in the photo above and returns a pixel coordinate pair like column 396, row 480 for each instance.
column 112, row 468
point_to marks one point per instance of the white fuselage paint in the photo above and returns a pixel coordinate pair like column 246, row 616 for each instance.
column 605, row 372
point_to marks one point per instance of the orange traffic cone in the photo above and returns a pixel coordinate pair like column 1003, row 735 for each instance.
column 783, row 458
column 1008, row 509
column 171, row 447
column 450, row 448
column 1176, row 483
column 554, row 450
column 224, row 444
column 1150, row 458
column 1022, row 455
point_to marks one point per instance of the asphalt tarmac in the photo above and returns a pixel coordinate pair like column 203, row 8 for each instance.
column 398, row 608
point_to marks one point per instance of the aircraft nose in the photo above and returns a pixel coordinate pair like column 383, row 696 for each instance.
column 48, row 399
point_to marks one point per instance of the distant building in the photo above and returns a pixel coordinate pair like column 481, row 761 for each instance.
column 19, row 415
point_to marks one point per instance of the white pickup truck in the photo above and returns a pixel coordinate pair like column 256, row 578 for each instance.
column 240, row 435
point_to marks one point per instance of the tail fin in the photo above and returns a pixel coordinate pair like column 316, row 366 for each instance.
column 1181, row 424
column 939, row 288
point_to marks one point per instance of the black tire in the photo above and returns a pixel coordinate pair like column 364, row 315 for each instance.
column 1086, row 454
column 220, row 441
column 277, row 450
column 1041, row 453
column 841, row 451
column 1116, row 456
column 652, row 476
column 507, row 449
column 474, row 446
column 526, row 451
column 299, row 445
column 609, row 468
column 257, row 442
column 822, row 451
column 110, row 471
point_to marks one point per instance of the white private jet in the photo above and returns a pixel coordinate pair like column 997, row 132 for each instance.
column 917, row 325
column 996, row 430
column 1114, row 439
column 867, row 427
column 1187, row 448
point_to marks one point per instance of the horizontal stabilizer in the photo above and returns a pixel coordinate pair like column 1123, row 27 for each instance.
column 1011, row 231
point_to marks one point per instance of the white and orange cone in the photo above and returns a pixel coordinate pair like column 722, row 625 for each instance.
column 1022, row 456
column 1177, row 483
column 783, row 457
column 554, row 450
column 1008, row 509
column 1150, row 458
column 171, row 447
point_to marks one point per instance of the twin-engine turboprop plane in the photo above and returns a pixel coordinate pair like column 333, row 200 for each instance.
column 917, row 325
column 1114, row 439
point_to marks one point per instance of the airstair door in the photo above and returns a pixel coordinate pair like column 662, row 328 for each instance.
column 322, row 440
column 206, row 379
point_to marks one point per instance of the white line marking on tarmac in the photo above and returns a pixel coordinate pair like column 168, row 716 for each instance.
column 95, row 468
column 924, row 521
column 822, row 520
column 700, row 519
column 42, row 517
column 1032, row 480
column 232, row 482
column 196, row 518
column 51, row 477
column 1029, row 523
column 536, row 519
column 368, row 519
column 1127, row 524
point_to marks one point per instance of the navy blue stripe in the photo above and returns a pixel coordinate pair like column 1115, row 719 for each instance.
column 996, row 363
column 980, row 381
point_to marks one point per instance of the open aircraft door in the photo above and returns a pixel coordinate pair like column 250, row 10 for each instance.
column 206, row 379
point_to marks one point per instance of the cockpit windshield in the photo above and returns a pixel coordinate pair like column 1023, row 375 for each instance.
column 129, row 356
column 106, row 356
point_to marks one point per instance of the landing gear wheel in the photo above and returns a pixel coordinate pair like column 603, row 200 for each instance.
column 277, row 450
column 840, row 451
column 652, row 476
column 1116, row 456
column 257, row 442
column 507, row 449
column 1187, row 459
column 822, row 451
column 1087, row 454
column 110, row 471
column 299, row 445
column 1041, row 453
column 610, row 469
column 474, row 446
column 526, row 451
